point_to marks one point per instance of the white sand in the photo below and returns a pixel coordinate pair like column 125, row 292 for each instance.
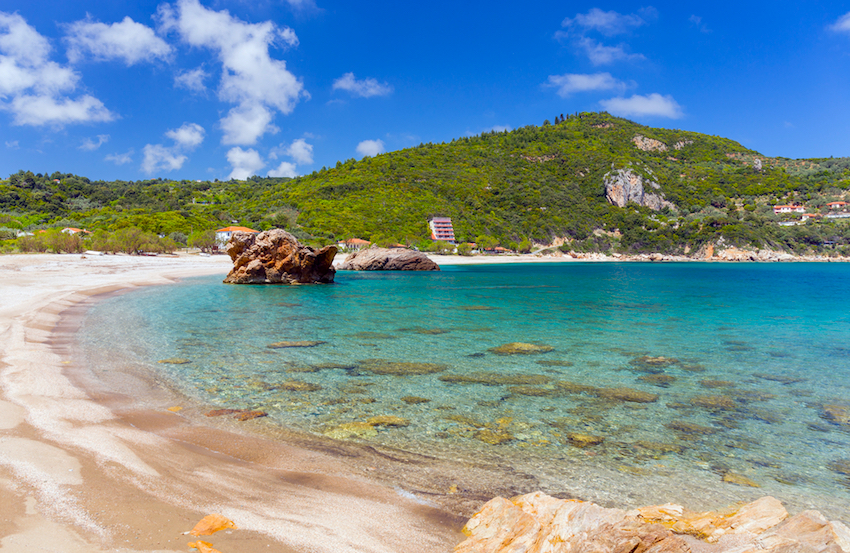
column 83, row 475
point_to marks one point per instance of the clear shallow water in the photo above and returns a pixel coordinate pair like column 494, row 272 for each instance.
column 743, row 359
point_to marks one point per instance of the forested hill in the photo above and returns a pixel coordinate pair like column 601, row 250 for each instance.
column 535, row 184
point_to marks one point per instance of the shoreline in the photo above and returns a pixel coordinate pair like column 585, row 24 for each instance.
column 88, row 470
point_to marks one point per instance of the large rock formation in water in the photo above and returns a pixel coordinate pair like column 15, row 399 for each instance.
column 384, row 259
column 276, row 257
column 538, row 523
column 624, row 185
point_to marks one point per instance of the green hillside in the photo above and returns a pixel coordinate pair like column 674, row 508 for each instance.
column 534, row 185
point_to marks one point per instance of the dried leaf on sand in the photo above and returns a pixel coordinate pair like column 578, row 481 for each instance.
column 203, row 547
column 211, row 524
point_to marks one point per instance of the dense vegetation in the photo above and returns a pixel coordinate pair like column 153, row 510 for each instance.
column 533, row 185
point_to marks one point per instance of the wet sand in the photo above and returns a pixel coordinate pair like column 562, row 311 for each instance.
column 100, row 464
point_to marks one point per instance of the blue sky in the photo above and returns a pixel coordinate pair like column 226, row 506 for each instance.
column 218, row 89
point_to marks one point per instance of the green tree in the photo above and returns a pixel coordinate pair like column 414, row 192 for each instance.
column 204, row 240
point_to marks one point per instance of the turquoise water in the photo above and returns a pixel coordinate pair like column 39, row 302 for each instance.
column 729, row 370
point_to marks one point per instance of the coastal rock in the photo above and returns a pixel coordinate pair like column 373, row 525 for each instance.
column 385, row 259
column 623, row 186
column 538, row 523
column 584, row 440
column 276, row 257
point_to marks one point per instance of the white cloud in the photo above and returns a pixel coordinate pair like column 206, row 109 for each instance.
column 121, row 159
column 161, row 158
column 303, row 5
column 127, row 41
column 364, row 88
column 842, row 25
column 192, row 80
column 608, row 23
column 644, row 106
column 188, row 136
column 599, row 54
column 90, row 145
column 48, row 110
column 499, row 128
column 12, row 144
column 285, row 169
column 33, row 88
column 246, row 123
column 169, row 158
column 245, row 163
column 370, row 148
column 571, row 83
column 300, row 151
column 251, row 79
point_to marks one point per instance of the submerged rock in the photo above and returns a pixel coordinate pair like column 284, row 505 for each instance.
column 834, row 413
column 520, row 348
column 415, row 400
column 276, row 257
column 296, row 344
column 661, row 380
column 386, row 259
column 248, row 415
column 627, row 394
column 388, row 420
column 399, row 368
column 739, row 479
column 299, row 386
column 493, row 437
column 350, row 430
column 175, row 361
column 584, row 440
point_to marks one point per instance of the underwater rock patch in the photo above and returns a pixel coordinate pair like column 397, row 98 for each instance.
column 690, row 428
column 415, row 400
column 249, row 415
column 532, row 391
column 627, row 394
column 175, row 361
column 520, row 348
column 296, row 344
column 388, row 421
column 739, row 479
column 575, row 388
column 836, row 414
column 493, row 437
column 349, row 430
column 583, row 440
column 778, row 378
column 299, row 386
column 716, row 383
column 385, row 367
column 715, row 403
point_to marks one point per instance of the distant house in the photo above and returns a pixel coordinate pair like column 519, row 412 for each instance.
column 354, row 244
column 222, row 235
column 72, row 230
column 441, row 229
column 837, row 205
column 807, row 216
column 777, row 209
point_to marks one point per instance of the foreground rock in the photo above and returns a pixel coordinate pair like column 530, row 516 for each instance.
column 276, row 257
column 538, row 523
column 384, row 259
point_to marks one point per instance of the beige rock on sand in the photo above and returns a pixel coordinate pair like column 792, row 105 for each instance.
column 538, row 523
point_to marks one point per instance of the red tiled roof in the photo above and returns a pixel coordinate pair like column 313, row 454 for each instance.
column 356, row 242
column 237, row 229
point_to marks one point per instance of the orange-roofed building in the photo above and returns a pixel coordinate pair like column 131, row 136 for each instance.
column 222, row 235
column 836, row 205
column 777, row 209
column 72, row 230
column 354, row 244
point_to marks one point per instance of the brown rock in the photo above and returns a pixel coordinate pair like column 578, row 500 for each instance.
column 276, row 257
column 248, row 415
column 385, row 259
column 493, row 437
column 388, row 420
column 584, row 440
column 739, row 479
column 296, row 344
column 220, row 412
column 627, row 394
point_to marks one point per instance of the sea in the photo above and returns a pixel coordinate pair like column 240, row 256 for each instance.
column 625, row 383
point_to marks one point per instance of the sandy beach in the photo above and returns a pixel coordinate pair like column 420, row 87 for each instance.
column 84, row 468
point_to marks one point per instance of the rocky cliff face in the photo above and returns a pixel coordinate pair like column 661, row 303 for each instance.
column 538, row 523
column 623, row 186
column 276, row 257
column 649, row 144
column 383, row 259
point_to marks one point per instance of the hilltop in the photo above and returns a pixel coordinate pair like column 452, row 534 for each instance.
column 567, row 181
